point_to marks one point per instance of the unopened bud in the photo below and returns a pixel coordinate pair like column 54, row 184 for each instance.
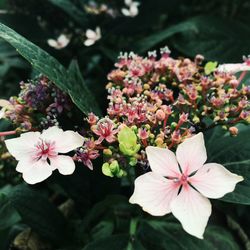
column 233, row 131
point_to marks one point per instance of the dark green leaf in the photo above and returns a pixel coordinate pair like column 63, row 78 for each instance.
column 8, row 215
column 79, row 92
column 49, row 66
column 150, row 41
column 38, row 213
column 73, row 11
column 217, row 39
column 233, row 153
column 114, row 242
column 163, row 235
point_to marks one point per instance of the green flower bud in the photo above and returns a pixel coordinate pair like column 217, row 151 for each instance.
column 132, row 161
column 128, row 142
column 107, row 152
column 210, row 67
column 114, row 166
column 106, row 170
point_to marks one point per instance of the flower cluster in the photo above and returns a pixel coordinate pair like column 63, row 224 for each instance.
column 162, row 101
column 38, row 105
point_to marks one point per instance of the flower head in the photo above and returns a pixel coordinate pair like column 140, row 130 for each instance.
column 105, row 130
column 61, row 42
column 92, row 36
column 38, row 153
column 183, row 190
column 131, row 9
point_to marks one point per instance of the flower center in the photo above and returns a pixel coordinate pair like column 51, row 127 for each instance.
column 182, row 180
column 44, row 149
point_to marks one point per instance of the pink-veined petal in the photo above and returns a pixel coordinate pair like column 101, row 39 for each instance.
column 191, row 154
column 23, row 147
column 162, row 161
column 38, row 172
column 154, row 193
column 214, row 181
column 192, row 210
column 65, row 141
column 63, row 163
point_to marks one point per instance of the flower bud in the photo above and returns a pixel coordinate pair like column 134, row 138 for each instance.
column 107, row 152
column 233, row 131
column 160, row 115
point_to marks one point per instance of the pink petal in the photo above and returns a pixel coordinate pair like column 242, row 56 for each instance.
column 154, row 193
column 23, row 147
column 192, row 210
column 214, row 181
column 191, row 154
column 162, row 161
column 37, row 172
column 65, row 141
column 63, row 163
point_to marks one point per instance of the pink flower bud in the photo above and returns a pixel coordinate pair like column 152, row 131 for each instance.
column 160, row 115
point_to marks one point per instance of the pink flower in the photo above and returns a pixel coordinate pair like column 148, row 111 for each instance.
column 105, row 130
column 38, row 153
column 183, row 191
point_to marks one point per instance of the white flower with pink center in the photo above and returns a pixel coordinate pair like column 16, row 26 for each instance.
column 183, row 190
column 38, row 154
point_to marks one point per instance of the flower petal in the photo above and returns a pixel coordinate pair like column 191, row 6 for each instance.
column 162, row 161
column 63, row 163
column 65, row 141
column 37, row 172
column 23, row 147
column 89, row 42
column 191, row 154
column 154, row 193
column 90, row 34
column 192, row 210
column 214, row 181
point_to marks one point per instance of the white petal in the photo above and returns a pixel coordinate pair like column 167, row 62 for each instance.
column 134, row 10
column 90, row 34
column 24, row 166
column 154, row 193
column 128, row 2
column 233, row 68
column 162, row 161
column 38, row 172
column 214, row 181
column 63, row 163
column 89, row 42
column 52, row 43
column 125, row 12
column 63, row 40
column 23, row 147
column 98, row 33
column 191, row 154
column 65, row 141
column 192, row 210
column 2, row 113
column 4, row 103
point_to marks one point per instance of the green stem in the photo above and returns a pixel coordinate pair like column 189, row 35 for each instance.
column 132, row 232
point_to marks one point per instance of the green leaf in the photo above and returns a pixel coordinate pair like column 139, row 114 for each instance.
column 210, row 67
column 73, row 11
column 163, row 235
column 68, row 81
column 114, row 242
column 102, row 230
column 79, row 92
column 217, row 39
column 147, row 43
column 38, row 213
column 233, row 153
column 8, row 215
